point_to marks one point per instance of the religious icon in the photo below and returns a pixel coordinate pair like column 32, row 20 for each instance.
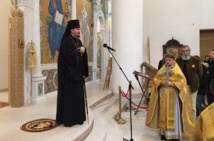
column 55, row 27
column 172, row 50
column 20, row 43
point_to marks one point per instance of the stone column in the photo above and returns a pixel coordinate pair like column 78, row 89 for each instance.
column 94, row 67
column 103, row 55
column 73, row 9
column 106, row 14
column 37, row 77
column 127, row 39
column 106, row 40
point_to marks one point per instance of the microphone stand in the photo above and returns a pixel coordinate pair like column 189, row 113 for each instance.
column 130, row 88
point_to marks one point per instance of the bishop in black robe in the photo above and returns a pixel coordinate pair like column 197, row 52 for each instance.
column 72, row 68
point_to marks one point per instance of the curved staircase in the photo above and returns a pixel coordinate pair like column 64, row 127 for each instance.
column 102, row 126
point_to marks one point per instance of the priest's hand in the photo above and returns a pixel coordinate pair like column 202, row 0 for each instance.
column 166, row 83
column 169, row 83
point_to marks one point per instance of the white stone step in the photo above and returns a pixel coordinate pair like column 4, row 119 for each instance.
column 100, row 127
column 114, row 131
column 105, row 126
column 99, row 130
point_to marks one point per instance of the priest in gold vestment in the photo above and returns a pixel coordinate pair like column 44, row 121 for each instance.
column 204, row 127
column 170, row 104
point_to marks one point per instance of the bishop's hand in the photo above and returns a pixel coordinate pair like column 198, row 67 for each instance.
column 81, row 49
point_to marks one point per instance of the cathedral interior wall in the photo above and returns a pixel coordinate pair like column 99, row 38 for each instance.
column 163, row 20
column 5, row 13
column 181, row 20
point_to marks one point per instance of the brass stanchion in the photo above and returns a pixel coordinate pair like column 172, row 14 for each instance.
column 120, row 120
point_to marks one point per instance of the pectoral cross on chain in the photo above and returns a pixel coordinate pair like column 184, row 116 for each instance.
column 168, row 72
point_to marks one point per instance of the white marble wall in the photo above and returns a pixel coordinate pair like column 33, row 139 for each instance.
column 183, row 24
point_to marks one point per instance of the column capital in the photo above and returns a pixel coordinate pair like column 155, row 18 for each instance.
column 106, row 6
column 106, row 14
column 28, row 3
column 95, row 1
column 95, row 4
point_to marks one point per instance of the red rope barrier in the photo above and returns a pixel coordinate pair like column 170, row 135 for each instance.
column 126, row 96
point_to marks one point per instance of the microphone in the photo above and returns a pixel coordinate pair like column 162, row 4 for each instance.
column 105, row 46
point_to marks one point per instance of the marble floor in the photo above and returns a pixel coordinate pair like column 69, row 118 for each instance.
column 102, row 125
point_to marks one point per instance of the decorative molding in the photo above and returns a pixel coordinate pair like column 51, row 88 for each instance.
column 48, row 66
column 16, row 78
column 95, row 6
column 95, row 1
column 100, row 14
column 51, row 82
column 40, row 89
column 27, row 3
column 107, row 7
column 4, row 90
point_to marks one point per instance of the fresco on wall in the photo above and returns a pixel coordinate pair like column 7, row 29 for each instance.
column 54, row 15
column 84, row 14
column 85, row 35
column 53, row 23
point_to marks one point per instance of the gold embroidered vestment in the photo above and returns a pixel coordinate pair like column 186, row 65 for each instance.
column 161, row 112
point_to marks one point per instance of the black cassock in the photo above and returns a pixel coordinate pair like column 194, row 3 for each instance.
column 72, row 66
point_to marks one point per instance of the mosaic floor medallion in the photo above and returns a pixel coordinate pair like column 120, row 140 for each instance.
column 39, row 125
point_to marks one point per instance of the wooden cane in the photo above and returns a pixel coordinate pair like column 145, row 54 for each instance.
column 86, row 103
